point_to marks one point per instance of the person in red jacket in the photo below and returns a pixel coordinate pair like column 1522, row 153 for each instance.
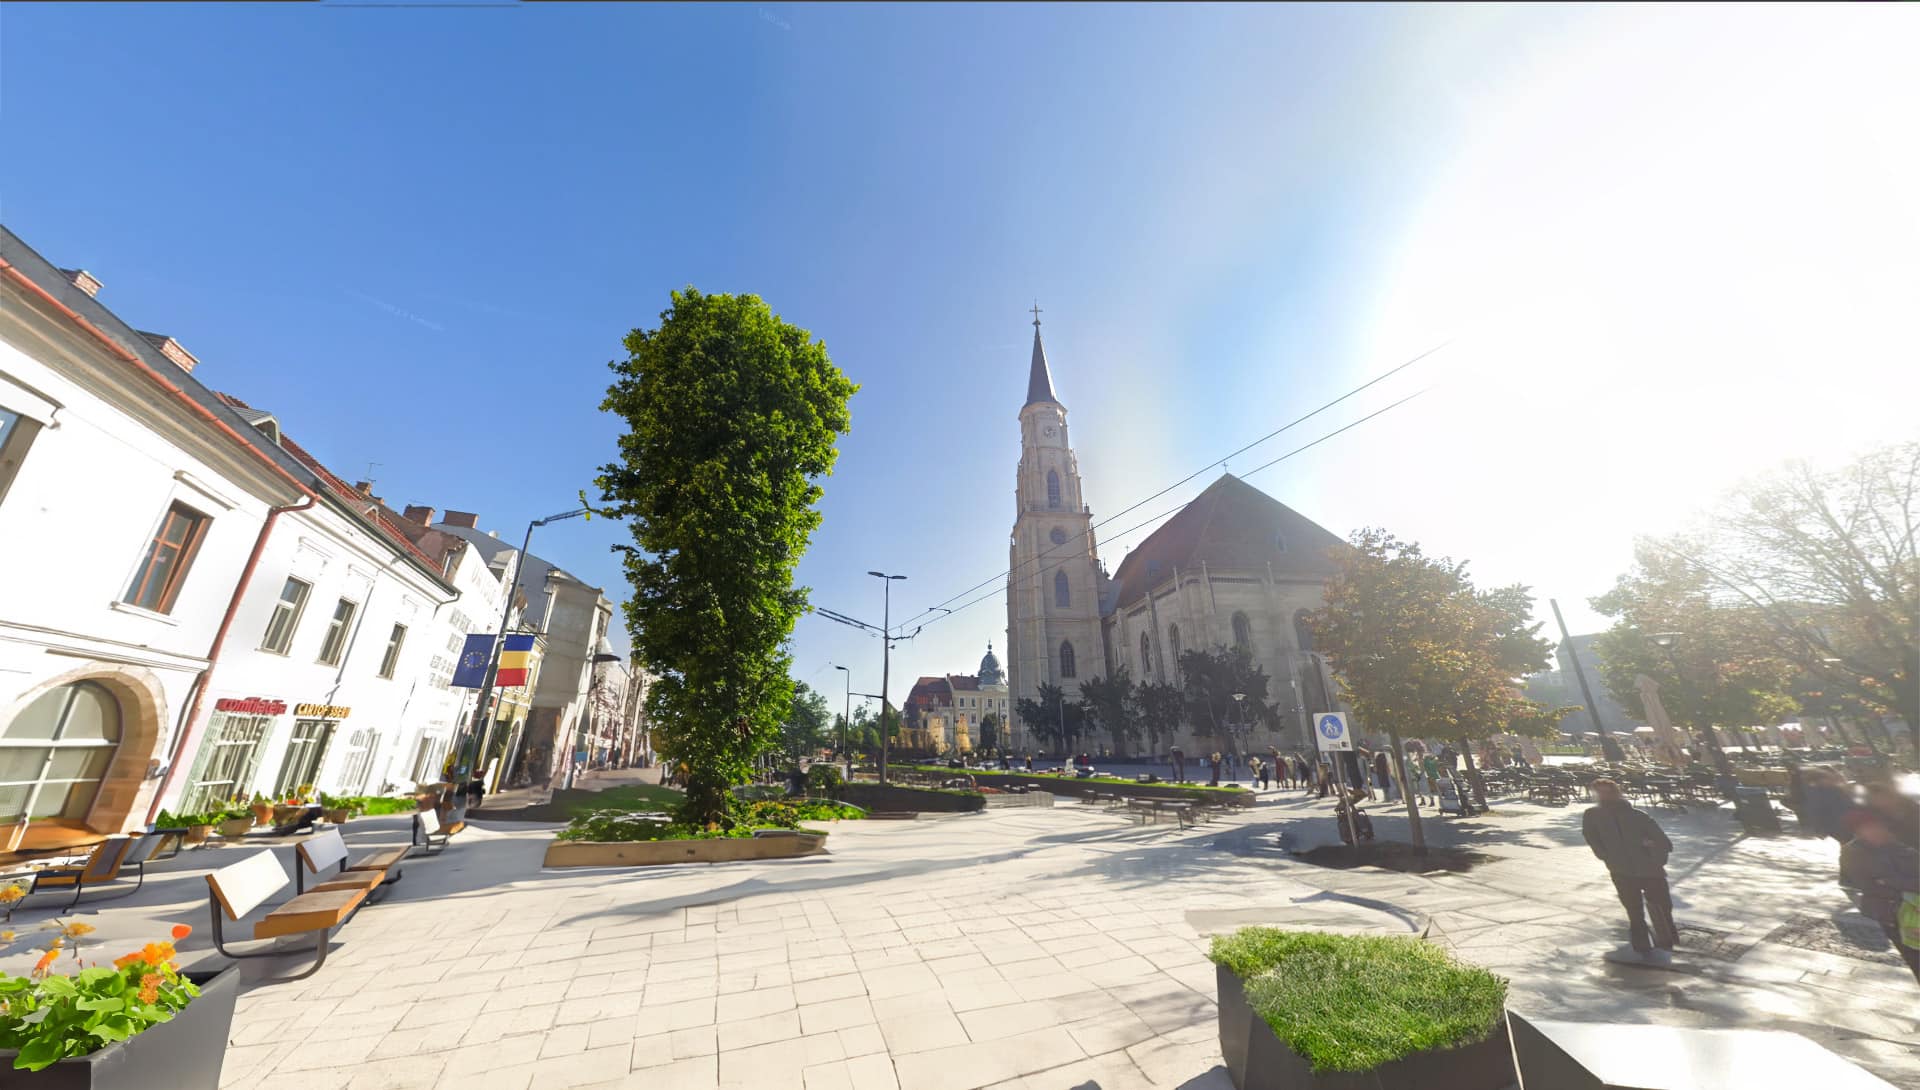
column 1635, row 852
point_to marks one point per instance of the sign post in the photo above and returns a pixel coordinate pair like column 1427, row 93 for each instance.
column 1330, row 732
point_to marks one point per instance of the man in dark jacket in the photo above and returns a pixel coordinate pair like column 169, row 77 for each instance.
column 1635, row 852
column 1885, row 871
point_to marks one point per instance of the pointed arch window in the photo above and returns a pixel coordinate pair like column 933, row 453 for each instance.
column 1302, row 632
column 1053, row 488
column 1242, row 633
column 1173, row 643
column 1066, row 659
column 1146, row 656
column 1062, row 593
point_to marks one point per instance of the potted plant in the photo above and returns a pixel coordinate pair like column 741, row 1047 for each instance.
column 1307, row 1010
column 140, row 1023
column 338, row 810
column 262, row 810
column 234, row 823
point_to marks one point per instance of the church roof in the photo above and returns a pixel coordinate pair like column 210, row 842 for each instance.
column 1039, row 380
column 1230, row 526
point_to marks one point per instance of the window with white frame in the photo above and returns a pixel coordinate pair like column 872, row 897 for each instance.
column 286, row 616
column 230, row 755
column 338, row 630
column 304, row 754
column 391, row 659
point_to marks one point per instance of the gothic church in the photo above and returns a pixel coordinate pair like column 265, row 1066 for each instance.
column 1235, row 567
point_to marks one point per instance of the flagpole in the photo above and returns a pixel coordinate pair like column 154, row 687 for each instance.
column 500, row 642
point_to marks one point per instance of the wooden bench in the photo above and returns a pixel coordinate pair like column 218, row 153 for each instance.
column 429, row 835
column 102, row 867
column 325, row 850
column 238, row 888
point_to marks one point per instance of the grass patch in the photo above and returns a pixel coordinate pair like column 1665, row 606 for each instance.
column 1357, row 1002
column 630, row 796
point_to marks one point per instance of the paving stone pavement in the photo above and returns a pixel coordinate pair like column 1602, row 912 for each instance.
column 1038, row 949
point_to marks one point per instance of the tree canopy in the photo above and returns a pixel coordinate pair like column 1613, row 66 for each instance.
column 1107, row 704
column 809, row 725
column 731, row 417
column 1052, row 718
column 1209, row 680
column 1159, row 705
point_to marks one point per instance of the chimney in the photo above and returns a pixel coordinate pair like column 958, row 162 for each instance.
column 171, row 349
column 418, row 514
column 85, row 281
column 466, row 520
column 365, row 488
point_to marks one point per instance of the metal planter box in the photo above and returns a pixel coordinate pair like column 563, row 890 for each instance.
column 184, row 1054
column 1258, row 1060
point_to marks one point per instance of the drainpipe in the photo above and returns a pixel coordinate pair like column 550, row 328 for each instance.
column 186, row 734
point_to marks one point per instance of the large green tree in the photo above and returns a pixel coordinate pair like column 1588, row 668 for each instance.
column 990, row 728
column 1719, row 666
column 1052, row 718
column 1159, row 705
column 1209, row 680
column 731, row 416
column 1826, row 563
column 809, row 723
column 1107, row 704
column 1419, row 651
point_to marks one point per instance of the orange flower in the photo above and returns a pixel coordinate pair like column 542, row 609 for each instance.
column 150, row 987
column 76, row 929
column 45, row 965
column 125, row 960
column 6, row 936
column 11, row 893
column 181, row 931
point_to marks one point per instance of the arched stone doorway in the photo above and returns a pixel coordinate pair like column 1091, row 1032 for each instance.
column 74, row 753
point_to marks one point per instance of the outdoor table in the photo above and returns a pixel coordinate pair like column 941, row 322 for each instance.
column 1605, row 1056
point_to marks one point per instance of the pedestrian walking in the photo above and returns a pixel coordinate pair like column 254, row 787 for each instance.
column 1383, row 775
column 1179, row 764
column 1900, row 812
column 1213, row 763
column 1887, row 873
column 1635, row 851
column 1417, row 778
column 1829, row 800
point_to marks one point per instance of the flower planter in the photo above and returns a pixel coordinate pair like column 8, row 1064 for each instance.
column 262, row 813
column 234, row 828
column 338, row 816
column 183, row 1054
column 284, row 814
column 198, row 834
column 765, row 844
column 1258, row 1060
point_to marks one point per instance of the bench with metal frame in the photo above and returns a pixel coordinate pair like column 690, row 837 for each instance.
column 429, row 835
column 238, row 888
column 315, row 855
column 103, row 866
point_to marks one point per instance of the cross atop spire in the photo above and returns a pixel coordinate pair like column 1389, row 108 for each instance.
column 1039, row 381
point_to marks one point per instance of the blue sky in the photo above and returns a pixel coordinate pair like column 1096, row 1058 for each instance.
column 1666, row 248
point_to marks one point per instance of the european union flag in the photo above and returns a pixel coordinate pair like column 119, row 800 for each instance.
column 471, row 673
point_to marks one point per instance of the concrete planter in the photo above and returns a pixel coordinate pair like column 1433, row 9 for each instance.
column 183, row 1054
column 235, row 828
column 198, row 834
column 895, row 798
column 765, row 844
column 1067, row 785
column 1258, row 1060
column 338, row 815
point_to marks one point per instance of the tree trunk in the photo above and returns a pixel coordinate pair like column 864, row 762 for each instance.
column 1474, row 779
column 1397, row 763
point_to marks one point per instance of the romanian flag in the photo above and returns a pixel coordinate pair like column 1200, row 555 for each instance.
column 515, row 660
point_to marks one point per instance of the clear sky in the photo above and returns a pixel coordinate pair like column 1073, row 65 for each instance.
column 1666, row 248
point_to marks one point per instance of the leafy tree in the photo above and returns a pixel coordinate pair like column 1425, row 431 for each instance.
column 1827, row 564
column 731, row 417
column 1417, row 649
column 1051, row 718
column 805, row 730
column 1159, row 707
column 1106, row 703
column 1209, row 681
column 990, row 725
column 1721, row 668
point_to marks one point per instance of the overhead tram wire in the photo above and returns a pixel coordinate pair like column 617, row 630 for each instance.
column 1051, row 549
column 1174, row 510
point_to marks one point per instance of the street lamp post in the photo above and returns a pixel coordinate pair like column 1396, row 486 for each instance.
column 846, row 721
column 475, row 736
column 886, row 655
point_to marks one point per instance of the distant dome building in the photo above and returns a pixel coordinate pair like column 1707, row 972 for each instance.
column 990, row 673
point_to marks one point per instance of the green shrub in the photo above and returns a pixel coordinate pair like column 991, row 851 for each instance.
column 825, row 779
column 825, row 810
column 765, row 814
column 376, row 805
column 47, row 1016
column 1356, row 1002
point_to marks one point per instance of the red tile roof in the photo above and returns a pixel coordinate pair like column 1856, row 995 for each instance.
column 1230, row 526
column 367, row 507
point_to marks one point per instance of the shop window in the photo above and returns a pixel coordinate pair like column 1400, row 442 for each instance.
column 304, row 753
column 56, row 751
column 156, row 584
column 361, row 746
column 286, row 617
column 228, row 759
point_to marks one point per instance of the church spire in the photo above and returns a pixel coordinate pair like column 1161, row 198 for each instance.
column 1039, row 381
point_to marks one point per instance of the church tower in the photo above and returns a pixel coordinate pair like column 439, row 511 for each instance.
column 1053, row 579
